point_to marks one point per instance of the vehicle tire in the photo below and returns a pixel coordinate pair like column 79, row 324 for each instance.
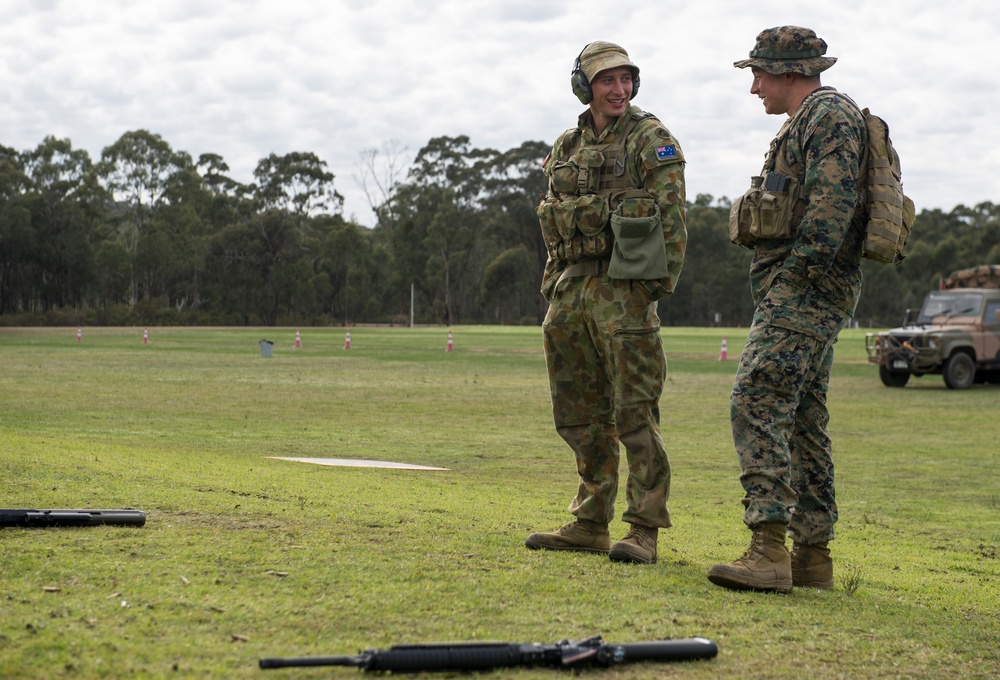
column 959, row 371
column 893, row 378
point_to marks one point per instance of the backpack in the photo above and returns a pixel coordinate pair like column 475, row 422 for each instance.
column 890, row 212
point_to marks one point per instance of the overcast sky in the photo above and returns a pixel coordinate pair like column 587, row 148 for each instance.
column 244, row 79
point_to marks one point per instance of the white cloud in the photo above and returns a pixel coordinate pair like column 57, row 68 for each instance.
column 245, row 78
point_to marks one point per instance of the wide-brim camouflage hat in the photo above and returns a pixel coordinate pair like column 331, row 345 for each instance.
column 788, row 49
column 600, row 56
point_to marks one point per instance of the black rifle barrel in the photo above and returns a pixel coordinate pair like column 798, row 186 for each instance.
column 431, row 657
column 19, row 517
column 359, row 661
column 667, row 650
column 446, row 657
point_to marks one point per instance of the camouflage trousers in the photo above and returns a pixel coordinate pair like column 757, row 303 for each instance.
column 606, row 371
column 779, row 419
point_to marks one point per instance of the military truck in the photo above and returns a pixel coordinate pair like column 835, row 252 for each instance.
column 955, row 334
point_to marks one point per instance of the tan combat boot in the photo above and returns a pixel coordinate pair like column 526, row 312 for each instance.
column 638, row 545
column 766, row 565
column 581, row 535
column 812, row 566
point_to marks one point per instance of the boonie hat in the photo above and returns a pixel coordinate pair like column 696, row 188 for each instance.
column 788, row 49
column 600, row 56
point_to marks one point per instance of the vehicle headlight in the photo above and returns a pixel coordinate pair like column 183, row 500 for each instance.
column 932, row 343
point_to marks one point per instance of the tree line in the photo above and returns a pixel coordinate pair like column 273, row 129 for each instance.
column 147, row 235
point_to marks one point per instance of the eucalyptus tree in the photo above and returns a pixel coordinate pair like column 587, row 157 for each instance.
column 503, row 285
column 228, row 201
column 298, row 184
column 192, row 209
column 136, row 170
column 346, row 274
column 438, row 224
column 513, row 184
column 262, row 264
column 66, row 203
column 17, row 239
column 982, row 228
column 378, row 175
column 714, row 286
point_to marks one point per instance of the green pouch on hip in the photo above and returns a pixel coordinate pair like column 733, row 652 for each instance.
column 639, row 251
column 556, row 220
column 772, row 212
column 740, row 219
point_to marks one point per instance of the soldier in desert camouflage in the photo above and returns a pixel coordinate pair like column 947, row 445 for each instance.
column 804, row 217
column 613, row 223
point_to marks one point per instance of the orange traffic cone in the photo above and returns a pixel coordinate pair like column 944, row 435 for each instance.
column 723, row 353
column 347, row 341
column 298, row 338
column 79, row 334
column 451, row 343
column 145, row 336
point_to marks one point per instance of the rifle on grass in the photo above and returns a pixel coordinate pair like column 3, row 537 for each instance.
column 39, row 519
column 473, row 656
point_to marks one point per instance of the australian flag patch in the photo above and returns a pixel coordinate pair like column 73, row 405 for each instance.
column 665, row 153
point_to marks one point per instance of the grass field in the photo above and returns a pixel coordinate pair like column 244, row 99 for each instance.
column 245, row 557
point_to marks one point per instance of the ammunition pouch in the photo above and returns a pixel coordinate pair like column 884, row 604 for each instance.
column 580, row 174
column 574, row 229
column 739, row 220
column 770, row 209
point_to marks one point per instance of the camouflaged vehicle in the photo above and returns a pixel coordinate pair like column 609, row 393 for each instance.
column 956, row 333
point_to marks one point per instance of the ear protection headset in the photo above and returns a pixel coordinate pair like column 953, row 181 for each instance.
column 581, row 86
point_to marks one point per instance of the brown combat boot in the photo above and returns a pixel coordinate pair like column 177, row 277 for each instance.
column 812, row 566
column 581, row 535
column 766, row 565
column 638, row 546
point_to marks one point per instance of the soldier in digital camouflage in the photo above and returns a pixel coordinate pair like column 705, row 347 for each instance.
column 613, row 223
column 804, row 219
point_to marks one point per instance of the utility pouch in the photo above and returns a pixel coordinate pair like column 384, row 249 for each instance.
column 590, row 214
column 890, row 219
column 562, row 177
column 555, row 217
column 771, row 211
column 578, row 175
column 639, row 251
column 588, row 162
column 739, row 216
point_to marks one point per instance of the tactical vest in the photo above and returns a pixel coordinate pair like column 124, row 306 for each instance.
column 584, row 190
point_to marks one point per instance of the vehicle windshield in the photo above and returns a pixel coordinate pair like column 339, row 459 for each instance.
column 950, row 304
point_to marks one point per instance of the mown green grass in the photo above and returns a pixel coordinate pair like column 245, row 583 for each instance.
column 244, row 557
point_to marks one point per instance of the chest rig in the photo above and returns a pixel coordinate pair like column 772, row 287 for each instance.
column 773, row 206
column 586, row 183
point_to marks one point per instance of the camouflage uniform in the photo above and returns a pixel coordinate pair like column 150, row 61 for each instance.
column 805, row 288
column 602, row 334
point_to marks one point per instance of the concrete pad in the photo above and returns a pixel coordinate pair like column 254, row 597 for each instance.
column 351, row 462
